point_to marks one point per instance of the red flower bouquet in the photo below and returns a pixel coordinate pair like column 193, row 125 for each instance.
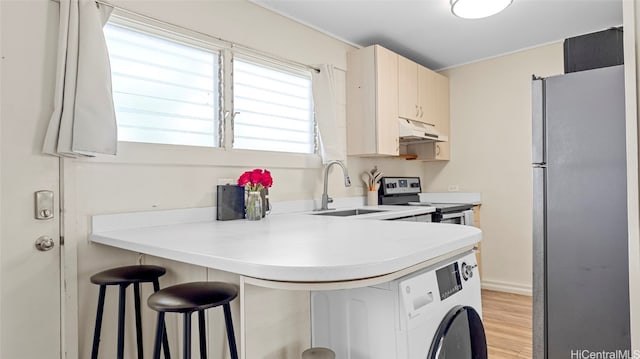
column 255, row 180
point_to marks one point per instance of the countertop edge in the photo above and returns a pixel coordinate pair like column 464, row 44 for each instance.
column 291, row 273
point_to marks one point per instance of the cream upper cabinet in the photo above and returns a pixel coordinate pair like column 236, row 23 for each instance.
column 408, row 96
column 418, row 93
column 439, row 105
column 438, row 115
column 372, row 102
column 440, row 151
column 425, row 94
column 383, row 87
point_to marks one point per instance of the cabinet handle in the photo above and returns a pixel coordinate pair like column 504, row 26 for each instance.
column 417, row 111
column 421, row 112
column 437, row 150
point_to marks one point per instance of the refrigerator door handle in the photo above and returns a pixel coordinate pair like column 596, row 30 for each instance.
column 538, row 128
column 539, row 269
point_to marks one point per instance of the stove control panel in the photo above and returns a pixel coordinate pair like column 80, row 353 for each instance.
column 399, row 185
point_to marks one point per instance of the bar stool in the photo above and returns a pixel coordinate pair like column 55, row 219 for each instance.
column 194, row 297
column 123, row 277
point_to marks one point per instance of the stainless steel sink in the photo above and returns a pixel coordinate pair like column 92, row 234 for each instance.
column 349, row 212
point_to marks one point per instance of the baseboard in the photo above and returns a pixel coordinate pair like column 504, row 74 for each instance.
column 501, row 286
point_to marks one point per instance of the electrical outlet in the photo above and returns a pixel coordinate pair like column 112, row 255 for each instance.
column 223, row 181
column 453, row 188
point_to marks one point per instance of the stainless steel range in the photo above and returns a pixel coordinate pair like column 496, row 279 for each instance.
column 405, row 191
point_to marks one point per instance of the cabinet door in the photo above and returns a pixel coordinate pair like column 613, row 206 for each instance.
column 440, row 97
column 442, row 151
column 434, row 99
column 431, row 151
column 372, row 102
column 408, row 89
column 435, row 151
column 426, row 95
column 476, row 223
column 387, row 106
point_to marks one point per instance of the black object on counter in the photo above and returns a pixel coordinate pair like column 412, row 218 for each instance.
column 230, row 202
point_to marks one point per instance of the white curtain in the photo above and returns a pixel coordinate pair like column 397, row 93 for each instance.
column 332, row 132
column 83, row 122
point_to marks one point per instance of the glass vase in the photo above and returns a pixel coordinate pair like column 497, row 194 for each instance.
column 254, row 206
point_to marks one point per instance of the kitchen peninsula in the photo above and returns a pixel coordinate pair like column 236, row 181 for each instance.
column 298, row 251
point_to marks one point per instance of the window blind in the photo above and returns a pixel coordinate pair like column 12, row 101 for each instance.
column 164, row 91
column 274, row 106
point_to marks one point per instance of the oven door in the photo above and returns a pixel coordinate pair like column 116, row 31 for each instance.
column 414, row 218
column 464, row 218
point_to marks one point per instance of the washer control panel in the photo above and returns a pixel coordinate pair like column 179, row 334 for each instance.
column 449, row 282
column 443, row 283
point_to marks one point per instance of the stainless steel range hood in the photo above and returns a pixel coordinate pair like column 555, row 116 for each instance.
column 414, row 131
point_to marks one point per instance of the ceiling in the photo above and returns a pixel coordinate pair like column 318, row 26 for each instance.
column 427, row 32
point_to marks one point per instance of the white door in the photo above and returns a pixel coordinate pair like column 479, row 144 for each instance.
column 29, row 278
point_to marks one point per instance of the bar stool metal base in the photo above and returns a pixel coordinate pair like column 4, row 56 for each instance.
column 194, row 297
column 123, row 277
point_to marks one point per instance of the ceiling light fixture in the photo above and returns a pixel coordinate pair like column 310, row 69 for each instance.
column 477, row 9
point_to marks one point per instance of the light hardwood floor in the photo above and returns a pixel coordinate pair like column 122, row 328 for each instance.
column 507, row 321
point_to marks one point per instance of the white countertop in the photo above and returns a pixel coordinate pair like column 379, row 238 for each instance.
column 299, row 247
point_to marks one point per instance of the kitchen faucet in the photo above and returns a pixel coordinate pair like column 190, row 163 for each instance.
column 325, row 196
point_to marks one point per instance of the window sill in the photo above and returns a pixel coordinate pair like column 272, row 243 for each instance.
column 157, row 154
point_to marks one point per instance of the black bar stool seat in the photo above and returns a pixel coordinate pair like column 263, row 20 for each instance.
column 194, row 297
column 123, row 277
column 128, row 274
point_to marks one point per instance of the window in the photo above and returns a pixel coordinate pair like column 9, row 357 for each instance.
column 274, row 108
column 164, row 91
column 168, row 89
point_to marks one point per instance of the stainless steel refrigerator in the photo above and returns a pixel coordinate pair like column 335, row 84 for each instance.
column 580, row 263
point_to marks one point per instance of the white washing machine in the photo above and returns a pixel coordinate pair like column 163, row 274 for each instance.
column 434, row 313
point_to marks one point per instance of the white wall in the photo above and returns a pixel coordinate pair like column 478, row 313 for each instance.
column 1, row 226
column 149, row 177
column 631, row 18
column 491, row 154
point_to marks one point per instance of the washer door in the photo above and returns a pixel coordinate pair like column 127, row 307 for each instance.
column 459, row 336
